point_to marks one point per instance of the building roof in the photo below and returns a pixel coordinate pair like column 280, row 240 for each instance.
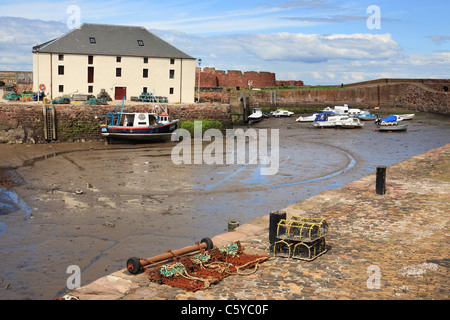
column 101, row 39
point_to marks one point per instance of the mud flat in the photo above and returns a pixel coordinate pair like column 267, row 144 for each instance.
column 386, row 247
column 94, row 205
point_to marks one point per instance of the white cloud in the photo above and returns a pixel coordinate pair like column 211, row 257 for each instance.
column 19, row 35
column 314, row 58
column 319, row 48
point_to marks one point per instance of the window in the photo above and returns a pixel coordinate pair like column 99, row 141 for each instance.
column 61, row 57
column 90, row 89
column 140, row 43
column 90, row 59
column 171, row 90
column 61, row 88
column 118, row 72
column 118, row 59
column 92, row 40
column 145, row 60
column 172, row 61
column 172, row 74
column 144, row 89
column 61, row 70
column 145, row 73
column 90, row 74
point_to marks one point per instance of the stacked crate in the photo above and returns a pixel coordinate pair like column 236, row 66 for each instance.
column 149, row 97
column 301, row 238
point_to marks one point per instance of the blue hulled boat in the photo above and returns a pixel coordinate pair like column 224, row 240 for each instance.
column 144, row 126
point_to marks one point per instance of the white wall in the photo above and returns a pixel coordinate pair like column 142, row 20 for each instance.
column 75, row 78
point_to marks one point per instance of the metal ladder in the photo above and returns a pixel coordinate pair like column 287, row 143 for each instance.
column 49, row 122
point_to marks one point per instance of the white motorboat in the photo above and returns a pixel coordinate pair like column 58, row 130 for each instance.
column 256, row 116
column 281, row 113
column 409, row 116
column 327, row 120
column 366, row 116
column 307, row 118
column 349, row 122
column 345, row 110
column 396, row 127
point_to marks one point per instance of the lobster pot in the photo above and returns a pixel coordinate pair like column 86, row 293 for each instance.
column 302, row 229
column 309, row 250
column 283, row 248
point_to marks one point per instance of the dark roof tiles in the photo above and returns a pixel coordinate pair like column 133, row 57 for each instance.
column 111, row 40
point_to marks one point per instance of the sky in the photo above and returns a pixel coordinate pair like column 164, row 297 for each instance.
column 321, row 42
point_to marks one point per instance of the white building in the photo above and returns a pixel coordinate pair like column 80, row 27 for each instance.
column 123, row 60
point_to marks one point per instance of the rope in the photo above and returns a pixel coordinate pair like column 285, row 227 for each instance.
column 257, row 261
column 206, row 282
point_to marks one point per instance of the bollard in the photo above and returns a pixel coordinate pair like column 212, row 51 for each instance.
column 232, row 224
column 381, row 180
column 275, row 218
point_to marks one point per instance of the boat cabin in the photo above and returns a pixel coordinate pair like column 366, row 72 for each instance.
column 138, row 120
column 164, row 118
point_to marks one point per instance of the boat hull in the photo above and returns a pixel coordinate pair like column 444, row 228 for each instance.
column 154, row 133
column 393, row 128
column 367, row 118
column 254, row 119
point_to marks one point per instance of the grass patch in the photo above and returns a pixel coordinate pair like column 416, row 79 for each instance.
column 206, row 124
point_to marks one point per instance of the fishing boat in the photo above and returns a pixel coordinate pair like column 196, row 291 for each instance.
column 256, row 116
column 144, row 126
column 281, row 113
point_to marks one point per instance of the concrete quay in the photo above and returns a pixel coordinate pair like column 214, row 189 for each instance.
column 380, row 247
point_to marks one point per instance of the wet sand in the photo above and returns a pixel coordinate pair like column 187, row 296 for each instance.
column 95, row 205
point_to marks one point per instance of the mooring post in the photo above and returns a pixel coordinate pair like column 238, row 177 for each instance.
column 275, row 218
column 381, row 180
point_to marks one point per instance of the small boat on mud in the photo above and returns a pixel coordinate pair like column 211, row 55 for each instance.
column 256, row 116
column 392, row 120
column 409, row 116
column 142, row 126
column 366, row 116
column 397, row 127
column 349, row 122
column 310, row 118
column 281, row 113
column 327, row 120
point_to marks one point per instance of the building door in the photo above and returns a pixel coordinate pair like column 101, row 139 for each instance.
column 120, row 92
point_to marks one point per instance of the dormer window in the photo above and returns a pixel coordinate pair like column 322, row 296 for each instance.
column 92, row 40
column 140, row 43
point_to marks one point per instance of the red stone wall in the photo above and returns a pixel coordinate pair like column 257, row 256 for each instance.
column 210, row 77
column 290, row 83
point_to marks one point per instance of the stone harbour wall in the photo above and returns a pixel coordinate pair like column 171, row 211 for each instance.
column 24, row 123
column 414, row 96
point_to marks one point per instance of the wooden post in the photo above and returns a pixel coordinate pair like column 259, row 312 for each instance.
column 275, row 218
column 381, row 180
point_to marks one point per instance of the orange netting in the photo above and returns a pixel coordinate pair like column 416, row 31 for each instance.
column 200, row 271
